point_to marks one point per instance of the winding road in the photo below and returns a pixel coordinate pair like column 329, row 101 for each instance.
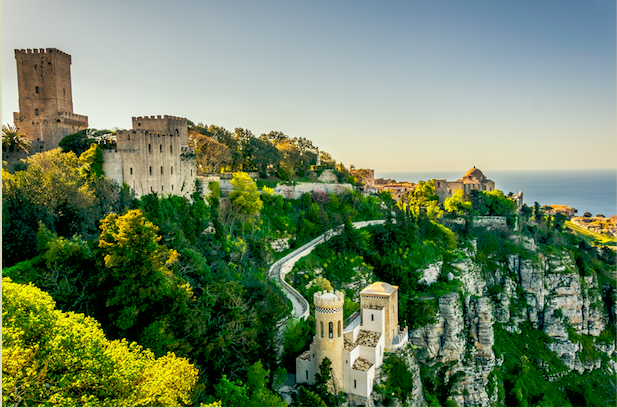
column 283, row 266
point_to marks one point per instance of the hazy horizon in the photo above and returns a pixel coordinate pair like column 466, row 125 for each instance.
column 392, row 86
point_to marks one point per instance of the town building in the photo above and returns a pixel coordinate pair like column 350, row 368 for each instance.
column 153, row 157
column 356, row 351
column 561, row 209
column 45, row 98
column 474, row 179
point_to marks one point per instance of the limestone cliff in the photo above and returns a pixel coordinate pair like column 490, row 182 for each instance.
column 545, row 290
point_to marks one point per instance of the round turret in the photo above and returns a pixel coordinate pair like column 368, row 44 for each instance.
column 329, row 332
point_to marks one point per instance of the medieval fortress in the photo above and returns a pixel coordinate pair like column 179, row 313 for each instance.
column 153, row 156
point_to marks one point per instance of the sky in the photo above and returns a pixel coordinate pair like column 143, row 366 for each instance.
column 390, row 85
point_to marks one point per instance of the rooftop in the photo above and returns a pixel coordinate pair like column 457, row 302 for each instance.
column 306, row 355
column 374, row 307
column 361, row 364
column 368, row 338
column 379, row 288
column 349, row 345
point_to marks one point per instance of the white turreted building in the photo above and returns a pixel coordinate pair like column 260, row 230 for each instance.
column 357, row 350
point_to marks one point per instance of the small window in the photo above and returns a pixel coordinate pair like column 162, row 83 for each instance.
column 330, row 330
column 171, row 149
column 161, row 188
column 321, row 324
column 354, row 384
column 372, row 317
column 151, row 189
column 191, row 172
column 149, row 148
column 138, row 123
column 129, row 136
column 37, row 89
column 339, row 328
column 36, row 112
column 161, row 149
column 172, row 187
column 64, row 92
column 307, row 374
column 172, row 169
column 161, row 169
column 150, row 170
column 131, row 170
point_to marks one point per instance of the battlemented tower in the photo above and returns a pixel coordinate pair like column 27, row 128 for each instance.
column 45, row 97
column 329, row 339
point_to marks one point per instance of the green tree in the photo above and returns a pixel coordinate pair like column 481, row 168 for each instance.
column 424, row 200
column 13, row 141
column 78, row 142
column 252, row 394
column 304, row 397
column 457, row 204
column 143, row 297
column 53, row 358
column 327, row 388
column 91, row 162
column 245, row 200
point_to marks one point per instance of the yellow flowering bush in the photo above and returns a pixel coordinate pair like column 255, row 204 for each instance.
column 64, row 359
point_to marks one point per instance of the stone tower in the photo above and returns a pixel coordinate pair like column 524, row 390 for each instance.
column 329, row 339
column 45, row 97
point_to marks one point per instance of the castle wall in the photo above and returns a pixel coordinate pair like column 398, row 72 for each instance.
column 151, row 161
column 296, row 191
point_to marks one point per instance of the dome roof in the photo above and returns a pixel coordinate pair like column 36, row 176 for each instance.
column 379, row 288
column 474, row 173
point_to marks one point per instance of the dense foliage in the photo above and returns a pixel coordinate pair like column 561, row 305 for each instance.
column 54, row 358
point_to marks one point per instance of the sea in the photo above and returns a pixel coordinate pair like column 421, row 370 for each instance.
column 593, row 191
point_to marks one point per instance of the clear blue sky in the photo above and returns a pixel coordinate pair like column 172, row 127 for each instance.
column 391, row 85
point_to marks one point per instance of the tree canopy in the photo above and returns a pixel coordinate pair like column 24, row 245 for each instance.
column 64, row 359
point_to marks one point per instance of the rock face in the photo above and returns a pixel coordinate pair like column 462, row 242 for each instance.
column 548, row 291
column 443, row 341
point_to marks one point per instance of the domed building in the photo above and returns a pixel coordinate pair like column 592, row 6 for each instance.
column 474, row 179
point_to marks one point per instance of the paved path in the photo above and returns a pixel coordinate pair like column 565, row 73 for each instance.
column 283, row 266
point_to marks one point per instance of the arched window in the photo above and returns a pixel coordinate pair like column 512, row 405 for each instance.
column 321, row 323
column 339, row 328
column 330, row 330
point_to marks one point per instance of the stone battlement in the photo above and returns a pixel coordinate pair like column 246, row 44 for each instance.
column 73, row 116
column 329, row 300
column 165, row 117
column 142, row 132
column 34, row 51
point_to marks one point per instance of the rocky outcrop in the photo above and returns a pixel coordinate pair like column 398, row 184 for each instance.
column 444, row 340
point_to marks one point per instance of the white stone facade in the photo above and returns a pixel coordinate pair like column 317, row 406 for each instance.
column 153, row 157
column 364, row 345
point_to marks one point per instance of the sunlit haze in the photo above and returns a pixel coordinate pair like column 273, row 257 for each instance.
column 393, row 86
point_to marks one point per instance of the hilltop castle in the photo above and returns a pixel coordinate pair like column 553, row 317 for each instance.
column 357, row 350
column 45, row 98
column 153, row 157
